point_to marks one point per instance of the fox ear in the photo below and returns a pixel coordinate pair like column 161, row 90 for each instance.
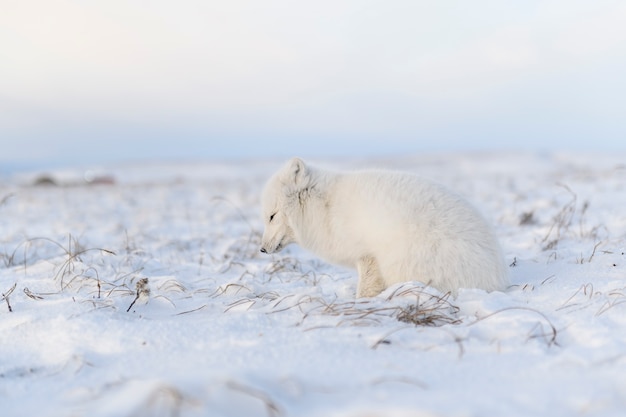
column 298, row 171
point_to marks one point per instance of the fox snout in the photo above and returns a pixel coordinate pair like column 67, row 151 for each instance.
column 271, row 247
column 265, row 249
column 275, row 238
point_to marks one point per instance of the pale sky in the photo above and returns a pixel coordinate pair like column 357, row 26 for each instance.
column 97, row 81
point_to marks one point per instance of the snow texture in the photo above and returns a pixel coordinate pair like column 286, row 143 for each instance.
column 220, row 329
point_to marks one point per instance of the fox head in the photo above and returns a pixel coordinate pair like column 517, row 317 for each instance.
column 281, row 202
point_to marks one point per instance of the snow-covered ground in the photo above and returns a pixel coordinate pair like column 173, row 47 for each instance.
column 228, row 331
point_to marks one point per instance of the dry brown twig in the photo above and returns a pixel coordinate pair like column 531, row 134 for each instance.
column 32, row 295
column 142, row 291
column 5, row 296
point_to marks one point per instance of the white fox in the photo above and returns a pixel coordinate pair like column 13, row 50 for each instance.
column 392, row 226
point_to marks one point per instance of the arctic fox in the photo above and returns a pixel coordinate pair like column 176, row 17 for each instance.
column 392, row 226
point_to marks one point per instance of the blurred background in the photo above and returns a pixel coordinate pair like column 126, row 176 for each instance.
column 84, row 82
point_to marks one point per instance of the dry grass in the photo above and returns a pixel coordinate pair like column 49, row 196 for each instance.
column 272, row 408
column 164, row 400
column 561, row 221
column 428, row 309
column 74, row 267
column 586, row 296
column 5, row 297
column 549, row 336
column 569, row 221
column 142, row 292
column 613, row 298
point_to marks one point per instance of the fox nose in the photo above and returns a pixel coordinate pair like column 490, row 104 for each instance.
column 263, row 250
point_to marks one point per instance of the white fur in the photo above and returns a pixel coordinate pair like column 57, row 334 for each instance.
column 391, row 226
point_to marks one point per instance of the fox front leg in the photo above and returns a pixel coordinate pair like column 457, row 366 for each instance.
column 370, row 280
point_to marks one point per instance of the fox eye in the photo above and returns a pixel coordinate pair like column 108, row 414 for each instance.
column 272, row 217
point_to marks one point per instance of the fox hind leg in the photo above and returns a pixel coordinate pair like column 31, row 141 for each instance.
column 371, row 282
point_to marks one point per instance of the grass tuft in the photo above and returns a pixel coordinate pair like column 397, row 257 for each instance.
column 142, row 292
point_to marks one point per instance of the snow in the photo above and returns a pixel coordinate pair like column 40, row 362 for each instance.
column 228, row 331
